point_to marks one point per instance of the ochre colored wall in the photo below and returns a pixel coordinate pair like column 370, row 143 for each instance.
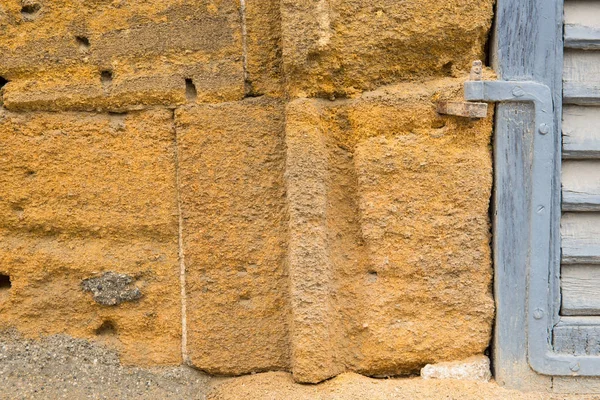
column 297, row 205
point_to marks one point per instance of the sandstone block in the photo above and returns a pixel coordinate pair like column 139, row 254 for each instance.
column 77, row 202
column 341, row 48
column 393, row 199
column 423, row 201
column 77, row 174
column 263, row 52
column 61, row 56
column 475, row 368
column 315, row 330
column 234, row 226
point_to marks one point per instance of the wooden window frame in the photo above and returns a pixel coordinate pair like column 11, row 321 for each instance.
column 527, row 47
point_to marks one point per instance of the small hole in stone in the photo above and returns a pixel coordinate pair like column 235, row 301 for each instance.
column 106, row 77
column 5, row 282
column 3, row 82
column 372, row 276
column 447, row 68
column 438, row 123
column 245, row 301
column 83, row 43
column 29, row 10
column 107, row 328
column 190, row 90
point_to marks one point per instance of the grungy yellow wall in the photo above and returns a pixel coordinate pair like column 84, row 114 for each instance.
column 270, row 178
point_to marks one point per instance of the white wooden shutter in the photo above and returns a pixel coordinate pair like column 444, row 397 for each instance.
column 578, row 331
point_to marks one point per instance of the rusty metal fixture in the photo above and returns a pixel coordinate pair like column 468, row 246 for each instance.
column 463, row 109
column 476, row 71
column 466, row 109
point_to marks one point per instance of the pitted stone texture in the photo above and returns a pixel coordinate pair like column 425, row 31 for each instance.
column 234, row 235
column 472, row 369
column 112, row 289
column 89, row 175
column 264, row 64
column 318, row 221
column 344, row 47
column 84, row 194
column 424, row 198
column 54, row 57
column 407, row 234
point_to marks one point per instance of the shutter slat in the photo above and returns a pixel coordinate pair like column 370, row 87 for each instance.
column 581, row 132
column 581, row 77
column 582, row 37
column 580, row 238
column 573, row 201
column 583, row 94
column 577, row 335
column 580, row 287
column 581, row 186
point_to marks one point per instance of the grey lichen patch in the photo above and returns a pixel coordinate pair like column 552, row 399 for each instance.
column 112, row 289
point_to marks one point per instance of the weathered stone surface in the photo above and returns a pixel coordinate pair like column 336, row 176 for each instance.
column 234, row 225
column 55, row 57
column 315, row 330
column 476, row 368
column 343, row 47
column 427, row 233
column 263, row 47
column 62, row 92
column 326, row 256
column 389, row 248
column 89, row 175
column 318, row 236
column 84, row 194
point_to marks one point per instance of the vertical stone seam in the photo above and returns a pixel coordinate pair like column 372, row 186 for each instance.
column 181, row 254
column 247, row 85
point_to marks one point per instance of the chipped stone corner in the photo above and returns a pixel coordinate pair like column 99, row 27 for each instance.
column 476, row 368
column 112, row 289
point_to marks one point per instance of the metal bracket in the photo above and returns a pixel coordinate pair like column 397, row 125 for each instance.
column 541, row 355
column 466, row 109
column 508, row 91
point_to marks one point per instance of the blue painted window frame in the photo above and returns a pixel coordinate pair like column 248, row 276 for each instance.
column 528, row 46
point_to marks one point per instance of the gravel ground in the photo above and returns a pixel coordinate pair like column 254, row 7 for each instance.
column 60, row 367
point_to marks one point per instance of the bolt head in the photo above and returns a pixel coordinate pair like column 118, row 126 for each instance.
column 518, row 92
column 538, row 313
column 540, row 209
column 544, row 129
column 574, row 367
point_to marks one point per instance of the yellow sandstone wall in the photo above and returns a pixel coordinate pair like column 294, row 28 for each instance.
column 246, row 186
